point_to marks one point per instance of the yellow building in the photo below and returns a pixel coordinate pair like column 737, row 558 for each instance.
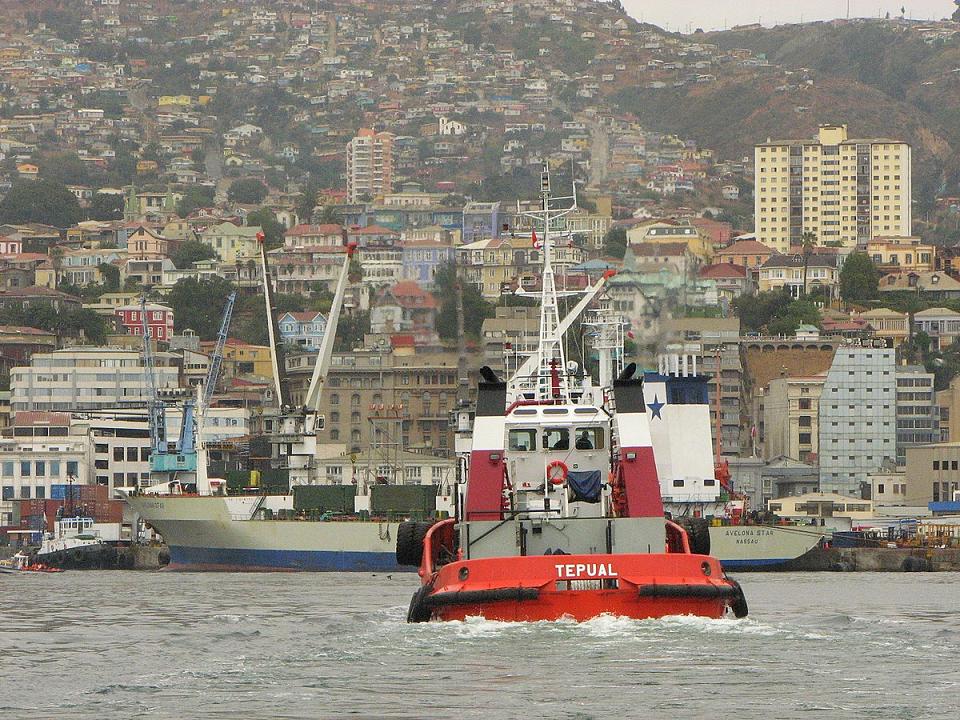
column 888, row 325
column 841, row 189
column 906, row 254
column 495, row 263
column 240, row 358
column 673, row 231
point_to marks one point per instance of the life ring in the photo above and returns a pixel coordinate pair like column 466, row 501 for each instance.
column 562, row 477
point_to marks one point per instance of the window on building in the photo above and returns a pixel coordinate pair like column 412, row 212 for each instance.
column 936, row 464
column 24, row 468
column 118, row 454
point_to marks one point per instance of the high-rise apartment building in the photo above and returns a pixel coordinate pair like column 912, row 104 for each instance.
column 369, row 164
column 840, row 189
column 858, row 418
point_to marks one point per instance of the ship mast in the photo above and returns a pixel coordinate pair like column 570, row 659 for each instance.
column 551, row 381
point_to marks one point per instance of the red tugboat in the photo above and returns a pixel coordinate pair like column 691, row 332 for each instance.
column 559, row 513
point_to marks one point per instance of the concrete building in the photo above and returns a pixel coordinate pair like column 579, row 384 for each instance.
column 714, row 342
column 918, row 420
column 790, row 418
column 509, row 338
column 369, row 165
column 858, row 422
column 823, row 505
column 394, row 398
column 840, row 189
column 932, row 473
column 87, row 379
column 888, row 325
column 38, row 457
column 941, row 324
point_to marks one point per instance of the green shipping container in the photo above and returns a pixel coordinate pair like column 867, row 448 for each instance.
column 420, row 500
column 325, row 498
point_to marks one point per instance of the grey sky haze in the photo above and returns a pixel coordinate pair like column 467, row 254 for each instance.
column 687, row 15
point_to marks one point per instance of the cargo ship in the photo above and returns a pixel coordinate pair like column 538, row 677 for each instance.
column 206, row 529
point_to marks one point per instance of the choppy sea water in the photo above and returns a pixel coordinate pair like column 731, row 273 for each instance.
column 184, row 645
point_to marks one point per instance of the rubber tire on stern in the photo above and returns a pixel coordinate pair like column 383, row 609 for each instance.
column 739, row 604
column 410, row 537
column 698, row 532
column 418, row 611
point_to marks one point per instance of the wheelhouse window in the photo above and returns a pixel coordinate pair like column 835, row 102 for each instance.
column 523, row 440
column 589, row 438
column 556, row 439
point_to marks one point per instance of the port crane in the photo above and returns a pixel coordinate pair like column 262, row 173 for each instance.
column 294, row 441
column 183, row 460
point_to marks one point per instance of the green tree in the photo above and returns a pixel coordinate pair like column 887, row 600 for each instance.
column 272, row 228
column 106, row 206
column 64, row 167
column 351, row 328
column 40, row 201
column 475, row 308
column 615, row 242
column 799, row 312
column 247, row 191
column 756, row 312
column 196, row 304
column 307, row 202
column 192, row 251
column 859, row 279
column 195, row 197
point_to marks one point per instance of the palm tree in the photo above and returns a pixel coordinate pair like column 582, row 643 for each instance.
column 809, row 241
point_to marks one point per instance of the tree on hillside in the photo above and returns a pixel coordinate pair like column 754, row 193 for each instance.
column 272, row 228
column 757, row 312
column 247, row 191
column 195, row 197
column 475, row 308
column 307, row 202
column 106, row 206
column 190, row 252
column 615, row 242
column 40, row 201
column 859, row 279
column 66, row 168
column 197, row 304
column 351, row 328
column 799, row 312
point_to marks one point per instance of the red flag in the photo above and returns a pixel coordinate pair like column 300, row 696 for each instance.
column 536, row 243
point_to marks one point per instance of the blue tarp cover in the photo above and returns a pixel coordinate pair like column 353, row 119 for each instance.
column 585, row 485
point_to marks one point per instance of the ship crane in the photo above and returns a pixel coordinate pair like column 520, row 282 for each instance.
column 295, row 443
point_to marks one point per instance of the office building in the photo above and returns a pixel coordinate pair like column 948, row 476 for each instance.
column 858, row 418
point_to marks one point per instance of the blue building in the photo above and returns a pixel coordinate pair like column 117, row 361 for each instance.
column 303, row 329
column 422, row 259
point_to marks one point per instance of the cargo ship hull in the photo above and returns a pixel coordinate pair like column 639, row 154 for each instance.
column 219, row 534
column 760, row 547
column 222, row 534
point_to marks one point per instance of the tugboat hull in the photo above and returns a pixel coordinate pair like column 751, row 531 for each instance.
column 578, row 587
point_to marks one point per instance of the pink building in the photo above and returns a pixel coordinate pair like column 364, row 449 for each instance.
column 159, row 320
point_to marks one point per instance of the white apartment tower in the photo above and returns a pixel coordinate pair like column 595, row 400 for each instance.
column 857, row 418
column 843, row 190
column 369, row 164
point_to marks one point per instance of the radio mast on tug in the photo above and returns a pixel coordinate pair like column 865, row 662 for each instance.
column 551, row 378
